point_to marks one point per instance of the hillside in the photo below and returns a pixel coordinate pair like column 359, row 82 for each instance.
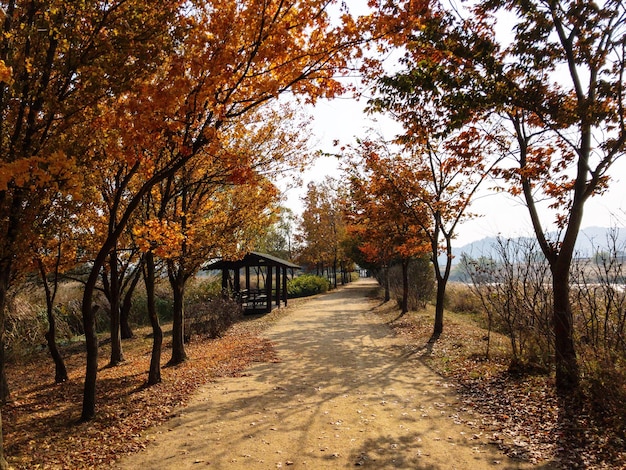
column 590, row 241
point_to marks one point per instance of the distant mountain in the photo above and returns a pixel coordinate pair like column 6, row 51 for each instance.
column 590, row 240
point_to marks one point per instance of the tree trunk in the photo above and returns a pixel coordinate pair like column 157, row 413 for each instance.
column 442, row 281
column 154, row 375
column 91, row 369
column 441, row 293
column 405, row 287
column 114, row 300
column 5, row 281
column 442, row 277
column 126, row 331
column 178, row 324
column 91, row 336
column 60, row 371
column 386, row 281
column 567, row 371
column 4, row 465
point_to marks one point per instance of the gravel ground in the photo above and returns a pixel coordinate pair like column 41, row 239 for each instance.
column 345, row 393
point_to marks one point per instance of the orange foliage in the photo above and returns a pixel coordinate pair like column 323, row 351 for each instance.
column 40, row 421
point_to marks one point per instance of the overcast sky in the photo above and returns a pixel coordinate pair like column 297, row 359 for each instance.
column 344, row 120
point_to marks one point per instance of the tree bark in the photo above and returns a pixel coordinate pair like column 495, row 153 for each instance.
column 127, row 303
column 60, row 371
column 405, row 287
column 178, row 324
column 5, row 281
column 441, row 293
column 91, row 338
column 4, row 465
column 154, row 375
column 442, row 281
column 91, row 346
column 117, row 355
column 567, row 370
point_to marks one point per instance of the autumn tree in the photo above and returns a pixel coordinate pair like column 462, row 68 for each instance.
column 215, row 208
column 57, row 60
column 219, row 204
column 213, row 77
column 385, row 231
column 557, row 78
column 322, row 230
column 121, row 272
column 276, row 140
column 434, row 182
column 277, row 240
column 150, row 269
column 55, row 250
column 50, row 279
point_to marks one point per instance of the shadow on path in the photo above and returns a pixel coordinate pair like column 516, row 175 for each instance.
column 345, row 393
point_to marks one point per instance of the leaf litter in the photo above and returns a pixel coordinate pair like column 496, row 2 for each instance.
column 520, row 413
column 41, row 420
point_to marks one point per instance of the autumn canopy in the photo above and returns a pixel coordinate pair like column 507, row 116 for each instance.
column 141, row 138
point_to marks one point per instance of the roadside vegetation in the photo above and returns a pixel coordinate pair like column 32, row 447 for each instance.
column 498, row 350
column 41, row 419
column 499, row 359
column 141, row 139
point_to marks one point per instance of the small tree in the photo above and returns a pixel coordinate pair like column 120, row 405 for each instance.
column 386, row 231
column 322, row 230
column 558, row 82
column 512, row 288
column 434, row 186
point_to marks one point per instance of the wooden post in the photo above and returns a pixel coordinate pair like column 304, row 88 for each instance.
column 268, row 290
column 237, row 284
column 224, row 281
column 285, row 286
column 278, row 286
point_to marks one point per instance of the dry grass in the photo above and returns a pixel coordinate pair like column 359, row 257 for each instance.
column 41, row 428
column 521, row 413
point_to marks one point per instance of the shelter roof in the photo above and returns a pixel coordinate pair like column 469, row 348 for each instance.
column 252, row 259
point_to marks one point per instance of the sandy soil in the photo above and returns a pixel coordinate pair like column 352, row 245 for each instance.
column 345, row 394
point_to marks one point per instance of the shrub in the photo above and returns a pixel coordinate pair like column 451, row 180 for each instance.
column 514, row 290
column 307, row 284
column 139, row 310
column 26, row 321
column 25, row 326
column 211, row 318
column 421, row 283
column 460, row 298
column 203, row 289
column 605, row 385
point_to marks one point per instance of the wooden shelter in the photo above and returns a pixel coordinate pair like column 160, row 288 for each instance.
column 264, row 280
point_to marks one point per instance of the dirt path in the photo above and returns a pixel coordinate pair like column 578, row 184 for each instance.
column 344, row 395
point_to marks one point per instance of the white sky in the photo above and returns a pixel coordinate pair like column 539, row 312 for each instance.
column 500, row 214
column 343, row 119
